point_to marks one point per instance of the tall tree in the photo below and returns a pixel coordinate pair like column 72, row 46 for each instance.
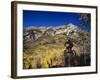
column 85, row 18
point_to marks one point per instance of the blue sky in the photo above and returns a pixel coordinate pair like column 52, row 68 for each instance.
column 47, row 18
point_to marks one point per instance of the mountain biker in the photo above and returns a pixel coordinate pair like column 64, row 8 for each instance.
column 68, row 53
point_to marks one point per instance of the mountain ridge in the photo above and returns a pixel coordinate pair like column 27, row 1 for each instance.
column 38, row 43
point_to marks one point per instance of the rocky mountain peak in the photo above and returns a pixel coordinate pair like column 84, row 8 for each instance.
column 72, row 26
column 71, row 29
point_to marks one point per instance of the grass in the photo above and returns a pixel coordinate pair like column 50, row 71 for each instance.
column 46, row 56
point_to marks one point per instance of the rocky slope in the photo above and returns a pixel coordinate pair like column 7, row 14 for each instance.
column 80, row 37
